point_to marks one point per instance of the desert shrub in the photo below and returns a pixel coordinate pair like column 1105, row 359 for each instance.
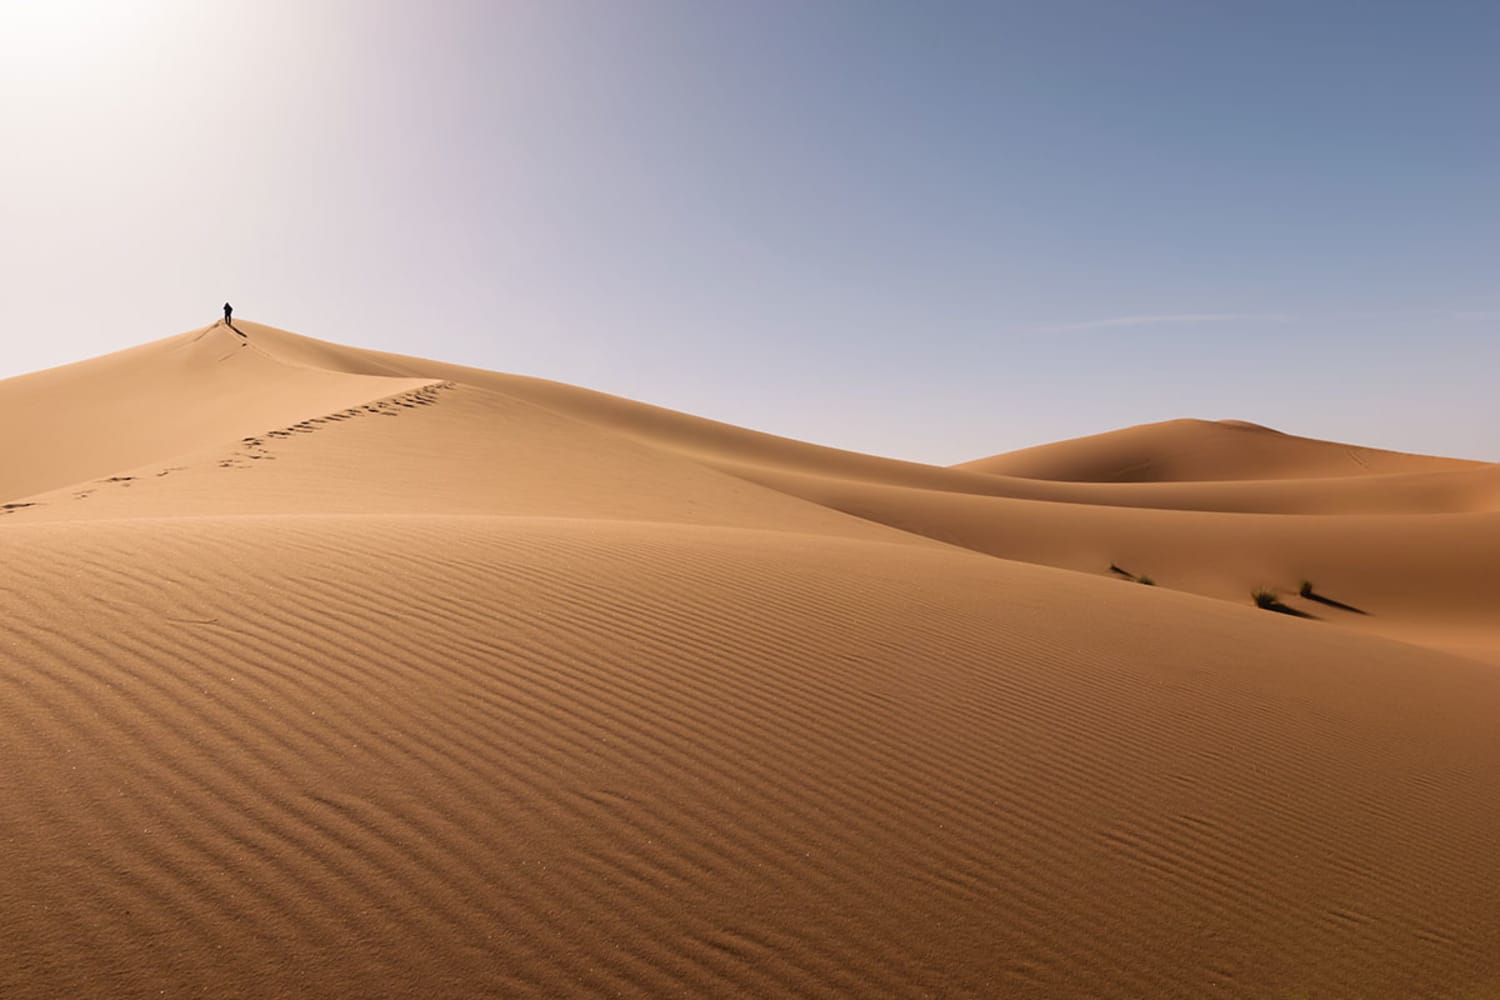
column 1265, row 597
column 1143, row 578
column 1306, row 590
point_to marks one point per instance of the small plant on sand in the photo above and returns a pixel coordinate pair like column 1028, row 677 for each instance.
column 1265, row 597
column 1143, row 578
column 1306, row 590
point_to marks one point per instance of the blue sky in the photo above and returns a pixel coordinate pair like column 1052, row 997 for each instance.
column 934, row 231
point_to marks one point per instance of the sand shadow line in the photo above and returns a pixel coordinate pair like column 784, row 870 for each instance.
column 1287, row 609
column 1330, row 602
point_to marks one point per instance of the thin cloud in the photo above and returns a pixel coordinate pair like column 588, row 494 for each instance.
column 1477, row 317
column 1163, row 319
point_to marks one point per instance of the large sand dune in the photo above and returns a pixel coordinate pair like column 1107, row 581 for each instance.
column 1199, row 450
column 335, row 673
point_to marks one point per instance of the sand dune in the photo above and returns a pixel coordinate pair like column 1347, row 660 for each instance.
column 336, row 673
column 90, row 419
column 1177, row 450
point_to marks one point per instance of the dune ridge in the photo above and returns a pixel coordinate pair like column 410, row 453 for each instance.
column 391, row 678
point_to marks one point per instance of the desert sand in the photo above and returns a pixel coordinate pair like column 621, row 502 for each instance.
column 332, row 673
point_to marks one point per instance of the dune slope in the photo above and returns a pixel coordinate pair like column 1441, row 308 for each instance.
column 423, row 681
column 152, row 402
column 1178, row 450
column 405, row 756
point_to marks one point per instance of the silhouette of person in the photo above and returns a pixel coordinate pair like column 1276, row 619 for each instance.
column 228, row 312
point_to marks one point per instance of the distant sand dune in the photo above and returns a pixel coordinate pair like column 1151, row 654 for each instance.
column 1178, row 450
column 333, row 673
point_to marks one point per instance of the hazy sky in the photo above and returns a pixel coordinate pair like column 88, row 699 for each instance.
column 929, row 230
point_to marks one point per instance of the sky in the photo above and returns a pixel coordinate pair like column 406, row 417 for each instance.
column 934, row 231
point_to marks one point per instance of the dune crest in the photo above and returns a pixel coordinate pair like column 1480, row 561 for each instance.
column 337, row 673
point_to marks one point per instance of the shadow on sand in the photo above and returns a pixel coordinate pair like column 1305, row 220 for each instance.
column 1286, row 609
column 1330, row 602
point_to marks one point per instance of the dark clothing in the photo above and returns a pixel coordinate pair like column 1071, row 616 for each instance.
column 228, row 311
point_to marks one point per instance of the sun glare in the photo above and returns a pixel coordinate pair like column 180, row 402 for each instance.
column 60, row 38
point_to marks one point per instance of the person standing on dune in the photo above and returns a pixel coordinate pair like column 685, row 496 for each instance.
column 228, row 313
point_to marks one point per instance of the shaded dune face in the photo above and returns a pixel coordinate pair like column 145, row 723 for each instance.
column 393, row 678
